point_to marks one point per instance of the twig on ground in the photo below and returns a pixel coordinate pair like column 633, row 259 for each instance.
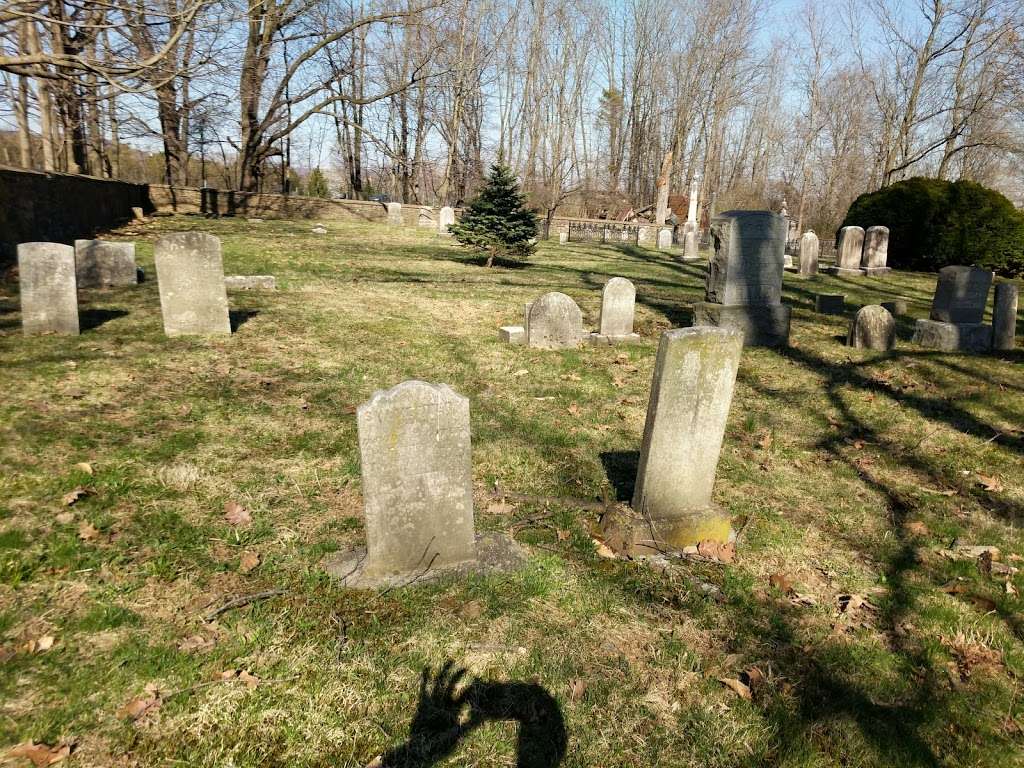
column 238, row 602
column 562, row 501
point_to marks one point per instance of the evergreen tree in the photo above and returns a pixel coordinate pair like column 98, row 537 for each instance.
column 316, row 184
column 496, row 221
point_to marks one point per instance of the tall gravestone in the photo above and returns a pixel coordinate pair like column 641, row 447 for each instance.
column 691, row 392
column 1004, row 317
column 554, row 321
column 190, row 273
column 103, row 263
column 958, row 309
column 395, row 214
column 810, row 250
column 445, row 218
column 618, row 306
column 49, row 291
column 876, row 251
column 743, row 289
column 849, row 248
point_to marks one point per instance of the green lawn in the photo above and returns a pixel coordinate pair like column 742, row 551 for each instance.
column 847, row 472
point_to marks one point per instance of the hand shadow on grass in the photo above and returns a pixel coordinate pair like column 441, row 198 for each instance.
column 438, row 725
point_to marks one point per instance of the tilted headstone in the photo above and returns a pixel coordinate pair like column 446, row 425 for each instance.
column 810, row 250
column 743, row 289
column 395, row 214
column 445, row 219
column 691, row 392
column 190, row 274
column 961, row 295
column 554, row 322
column 849, row 247
column 664, row 239
column 103, row 263
column 618, row 306
column 872, row 328
column 1004, row 316
column 49, row 292
column 876, row 251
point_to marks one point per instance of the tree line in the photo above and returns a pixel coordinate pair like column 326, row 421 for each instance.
column 584, row 99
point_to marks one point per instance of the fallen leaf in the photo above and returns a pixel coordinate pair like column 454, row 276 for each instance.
column 377, row 762
column 64, row 517
column 248, row 561
column 765, row 441
column 500, row 507
column 563, row 535
column 577, row 688
column 575, row 410
column 75, row 495
column 740, row 688
column 87, row 531
column 603, row 550
column 989, row 483
column 38, row 644
column 196, row 643
column 727, row 552
column 1010, row 589
column 84, row 466
column 521, row 372
column 41, row 754
column 781, row 582
column 471, row 610
column 140, row 706
column 251, row 681
column 236, row 514
column 917, row 528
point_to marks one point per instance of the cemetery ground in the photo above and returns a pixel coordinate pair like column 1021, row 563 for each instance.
column 145, row 482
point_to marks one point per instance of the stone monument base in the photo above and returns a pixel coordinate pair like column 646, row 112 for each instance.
column 512, row 334
column 877, row 271
column 843, row 272
column 632, row 534
column 600, row 339
column 495, row 552
column 953, row 337
column 250, row 282
column 763, row 325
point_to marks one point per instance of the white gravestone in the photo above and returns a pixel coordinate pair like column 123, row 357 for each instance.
column 49, row 291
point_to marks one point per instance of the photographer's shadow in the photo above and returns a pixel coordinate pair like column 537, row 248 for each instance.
column 439, row 723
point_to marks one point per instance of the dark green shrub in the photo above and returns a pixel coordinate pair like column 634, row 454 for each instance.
column 496, row 221
column 934, row 223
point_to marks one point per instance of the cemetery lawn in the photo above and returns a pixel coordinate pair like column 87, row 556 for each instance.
column 866, row 641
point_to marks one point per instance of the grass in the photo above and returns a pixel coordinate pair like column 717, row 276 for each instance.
column 848, row 472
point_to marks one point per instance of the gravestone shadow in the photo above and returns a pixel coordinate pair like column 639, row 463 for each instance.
column 439, row 724
column 620, row 467
column 94, row 318
column 239, row 317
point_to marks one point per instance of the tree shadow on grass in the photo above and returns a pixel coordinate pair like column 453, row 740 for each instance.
column 445, row 715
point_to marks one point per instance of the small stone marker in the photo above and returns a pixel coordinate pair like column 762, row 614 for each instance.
column 876, row 251
column 102, row 264
column 49, row 293
column 743, row 289
column 250, row 282
column 190, row 274
column 810, row 250
column 691, row 392
column 414, row 448
column 138, row 213
column 961, row 294
column 872, row 328
column 664, row 239
column 897, row 306
column 563, row 238
column 445, row 219
column 554, row 322
column 319, row 230
column 618, row 306
column 849, row 248
column 830, row 303
column 512, row 334
column 395, row 214
column 1004, row 316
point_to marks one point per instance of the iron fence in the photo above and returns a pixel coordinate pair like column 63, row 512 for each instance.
column 610, row 232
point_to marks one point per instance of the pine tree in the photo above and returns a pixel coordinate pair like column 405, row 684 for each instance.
column 316, row 184
column 496, row 220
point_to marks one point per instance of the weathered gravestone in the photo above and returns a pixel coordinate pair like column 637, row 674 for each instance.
column 395, row 214
column 691, row 251
column 319, row 229
column 250, row 282
column 810, row 250
column 554, row 322
column 1004, row 316
column 49, row 292
column 876, row 251
column 849, row 247
column 563, row 238
column 618, row 306
column 102, row 264
column 664, row 239
column 691, row 392
column 896, row 306
column 190, row 274
column 414, row 448
column 830, row 303
column 743, row 289
column 958, row 308
column 445, row 219
column 872, row 328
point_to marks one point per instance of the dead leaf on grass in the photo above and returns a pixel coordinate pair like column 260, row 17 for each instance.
column 84, row 466
column 574, row 410
column 500, row 507
column 989, row 483
column 64, row 517
column 87, row 531
column 765, row 440
column 250, row 680
column 75, row 495
column 141, row 706
column 563, row 534
column 603, row 550
column 41, row 755
column 917, row 528
column 741, row 689
column 781, row 582
column 197, row 644
column 236, row 514
column 248, row 561
column 577, row 688
column 38, row 644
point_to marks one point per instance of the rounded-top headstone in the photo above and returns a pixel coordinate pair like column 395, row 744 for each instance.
column 873, row 327
column 810, row 250
column 850, row 248
column 618, row 304
column 554, row 321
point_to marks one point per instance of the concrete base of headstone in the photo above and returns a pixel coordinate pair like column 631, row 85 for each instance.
column 830, row 303
column 763, row 325
column 896, row 306
column 512, row 334
column 841, row 272
column 628, row 533
column 495, row 553
column 876, row 271
column 953, row 337
column 600, row 339
column 250, row 282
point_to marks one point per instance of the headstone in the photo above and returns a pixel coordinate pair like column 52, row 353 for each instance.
column 876, row 251
column 49, row 292
column 664, row 239
column 743, row 289
column 961, row 295
column 395, row 214
column 445, row 219
column 618, row 305
column 138, row 213
column 1004, row 316
column 691, row 392
column 554, row 322
column 872, row 328
column 896, row 306
column 953, row 337
column 102, row 263
column 250, row 282
column 512, row 334
column 563, row 238
column 810, row 250
column 830, row 303
column 849, row 247
column 190, row 274
column 691, row 251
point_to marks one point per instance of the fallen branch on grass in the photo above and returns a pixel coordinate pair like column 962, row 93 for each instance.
column 238, row 602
